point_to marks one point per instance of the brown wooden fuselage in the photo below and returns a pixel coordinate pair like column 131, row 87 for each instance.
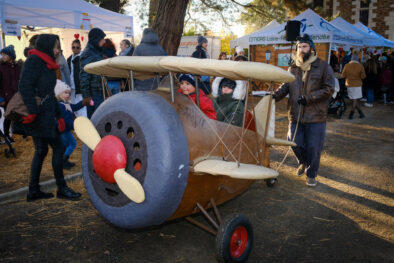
column 207, row 139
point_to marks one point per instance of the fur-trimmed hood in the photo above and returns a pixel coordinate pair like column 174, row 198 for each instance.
column 239, row 91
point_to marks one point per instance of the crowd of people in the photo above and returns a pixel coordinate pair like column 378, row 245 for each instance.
column 367, row 78
column 66, row 90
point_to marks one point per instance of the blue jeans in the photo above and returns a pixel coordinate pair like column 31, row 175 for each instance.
column 69, row 142
column 98, row 99
column 370, row 96
column 310, row 141
column 114, row 86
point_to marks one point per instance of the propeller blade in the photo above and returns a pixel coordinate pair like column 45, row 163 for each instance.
column 86, row 131
column 130, row 186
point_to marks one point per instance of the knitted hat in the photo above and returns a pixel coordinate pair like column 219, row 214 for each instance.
column 239, row 49
column 9, row 51
column 187, row 77
column 61, row 87
column 201, row 40
column 227, row 83
column 95, row 35
column 305, row 38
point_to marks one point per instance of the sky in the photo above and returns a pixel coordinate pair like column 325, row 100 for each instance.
column 216, row 25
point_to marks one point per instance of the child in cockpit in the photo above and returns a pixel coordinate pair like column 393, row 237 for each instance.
column 188, row 88
column 228, row 102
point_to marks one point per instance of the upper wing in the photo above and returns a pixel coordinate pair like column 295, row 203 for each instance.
column 147, row 67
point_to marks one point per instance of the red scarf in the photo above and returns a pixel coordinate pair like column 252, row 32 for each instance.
column 51, row 64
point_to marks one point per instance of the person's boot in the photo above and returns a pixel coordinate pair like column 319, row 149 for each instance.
column 351, row 115
column 38, row 195
column 362, row 116
column 66, row 164
column 67, row 193
column 301, row 169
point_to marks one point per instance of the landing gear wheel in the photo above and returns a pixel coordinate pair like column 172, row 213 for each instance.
column 234, row 239
column 271, row 182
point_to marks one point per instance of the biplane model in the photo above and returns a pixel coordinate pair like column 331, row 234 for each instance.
column 154, row 156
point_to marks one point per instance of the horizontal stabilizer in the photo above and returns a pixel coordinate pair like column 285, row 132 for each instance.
column 279, row 142
column 231, row 169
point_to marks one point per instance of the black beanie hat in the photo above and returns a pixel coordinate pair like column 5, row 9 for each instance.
column 95, row 35
column 228, row 83
column 9, row 51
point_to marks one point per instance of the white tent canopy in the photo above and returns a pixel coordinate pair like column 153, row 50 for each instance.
column 312, row 24
column 383, row 41
column 368, row 40
column 63, row 14
column 244, row 41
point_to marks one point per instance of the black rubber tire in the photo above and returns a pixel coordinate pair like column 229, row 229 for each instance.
column 271, row 182
column 167, row 156
column 224, row 234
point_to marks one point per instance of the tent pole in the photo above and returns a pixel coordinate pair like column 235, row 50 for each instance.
column 329, row 54
column 2, row 40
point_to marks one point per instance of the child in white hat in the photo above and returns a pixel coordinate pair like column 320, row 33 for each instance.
column 62, row 92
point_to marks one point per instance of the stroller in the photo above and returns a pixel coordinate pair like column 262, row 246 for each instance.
column 10, row 151
column 337, row 105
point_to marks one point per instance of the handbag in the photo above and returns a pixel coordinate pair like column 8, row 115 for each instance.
column 16, row 107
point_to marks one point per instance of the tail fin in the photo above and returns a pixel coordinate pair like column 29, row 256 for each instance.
column 261, row 111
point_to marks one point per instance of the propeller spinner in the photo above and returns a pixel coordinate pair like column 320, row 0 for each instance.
column 109, row 159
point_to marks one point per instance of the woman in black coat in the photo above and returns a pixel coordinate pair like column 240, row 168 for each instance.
column 38, row 78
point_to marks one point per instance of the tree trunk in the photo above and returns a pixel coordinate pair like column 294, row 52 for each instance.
column 113, row 5
column 168, row 24
column 153, row 5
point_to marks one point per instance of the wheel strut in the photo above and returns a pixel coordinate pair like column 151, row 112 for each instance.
column 209, row 217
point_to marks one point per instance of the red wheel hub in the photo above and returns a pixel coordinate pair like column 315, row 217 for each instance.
column 109, row 156
column 238, row 242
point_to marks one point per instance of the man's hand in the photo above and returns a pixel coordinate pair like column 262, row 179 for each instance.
column 301, row 100
column 61, row 125
column 29, row 118
column 86, row 101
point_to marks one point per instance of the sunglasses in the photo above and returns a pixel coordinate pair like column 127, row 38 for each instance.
column 74, row 47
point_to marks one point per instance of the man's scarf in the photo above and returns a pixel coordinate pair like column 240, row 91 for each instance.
column 304, row 66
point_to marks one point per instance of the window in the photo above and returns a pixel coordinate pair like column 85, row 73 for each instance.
column 364, row 11
column 318, row 3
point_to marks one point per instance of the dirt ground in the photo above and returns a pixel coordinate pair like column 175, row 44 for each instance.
column 348, row 217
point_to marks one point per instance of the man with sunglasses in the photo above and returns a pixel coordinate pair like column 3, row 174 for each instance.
column 73, row 64
column 308, row 104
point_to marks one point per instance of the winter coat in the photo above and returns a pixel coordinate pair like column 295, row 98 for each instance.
column 229, row 107
column 77, row 69
column 199, row 53
column 37, row 80
column 127, row 52
column 9, row 78
column 370, row 81
column 205, row 103
column 354, row 74
column 149, row 46
column 90, row 83
column 64, row 70
column 317, row 89
column 68, row 113
column 385, row 78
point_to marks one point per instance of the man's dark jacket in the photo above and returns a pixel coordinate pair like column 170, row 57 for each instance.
column 90, row 84
column 317, row 89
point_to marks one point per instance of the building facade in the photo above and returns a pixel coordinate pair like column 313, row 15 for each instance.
column 375, row 14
